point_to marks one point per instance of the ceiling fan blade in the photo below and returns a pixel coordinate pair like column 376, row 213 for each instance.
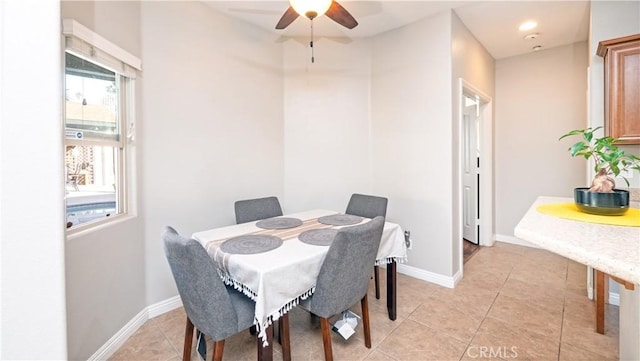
column 341, row 16
column 287, row 18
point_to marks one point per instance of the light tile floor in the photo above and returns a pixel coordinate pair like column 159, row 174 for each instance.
column 513, row 303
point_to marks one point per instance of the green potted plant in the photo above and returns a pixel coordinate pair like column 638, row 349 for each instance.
column 610, row 161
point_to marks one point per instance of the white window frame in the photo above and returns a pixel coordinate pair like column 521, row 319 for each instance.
column 84, row 43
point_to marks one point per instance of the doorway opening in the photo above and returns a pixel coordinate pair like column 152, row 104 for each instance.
column 471, row 168
column 475, row 168
column 468, row 250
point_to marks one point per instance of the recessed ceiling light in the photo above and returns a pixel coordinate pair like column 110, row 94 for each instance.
column 527, row 25
column 536, row 48
column 531, row 36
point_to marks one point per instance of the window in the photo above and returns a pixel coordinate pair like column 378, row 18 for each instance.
column 98, row 126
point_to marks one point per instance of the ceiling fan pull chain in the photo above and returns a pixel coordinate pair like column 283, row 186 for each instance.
column 311, row 43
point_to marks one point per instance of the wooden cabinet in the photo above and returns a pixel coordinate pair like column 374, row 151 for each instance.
column 622, row 87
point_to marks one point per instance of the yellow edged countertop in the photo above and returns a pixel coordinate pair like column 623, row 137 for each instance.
column 612, row 249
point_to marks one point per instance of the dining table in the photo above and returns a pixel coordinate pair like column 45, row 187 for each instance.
column 276, row 261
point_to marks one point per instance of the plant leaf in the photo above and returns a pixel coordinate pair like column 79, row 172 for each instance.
column 573, row 132
column 576, row 148
column 614, row 168
column 588, row 136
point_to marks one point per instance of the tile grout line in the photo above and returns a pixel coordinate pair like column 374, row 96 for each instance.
column 487, row 313
column 178, row 353
column 170, row 326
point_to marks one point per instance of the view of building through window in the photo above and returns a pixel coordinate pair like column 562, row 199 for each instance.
column 93, row 141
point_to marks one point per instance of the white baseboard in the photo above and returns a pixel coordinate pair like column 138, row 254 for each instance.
column 116, row 341
column 514, row 240
column 457, row 277
column 432, row 277
column 165, row 306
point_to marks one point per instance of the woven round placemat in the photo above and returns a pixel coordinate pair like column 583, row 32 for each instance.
column 251, row 244
column 279, row 223
column 340, row 219
column 318, row 237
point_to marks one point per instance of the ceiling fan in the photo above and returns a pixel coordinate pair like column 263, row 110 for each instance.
column 314, row 8
column 311, row 9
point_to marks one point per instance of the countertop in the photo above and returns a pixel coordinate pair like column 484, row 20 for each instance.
column 614, row 250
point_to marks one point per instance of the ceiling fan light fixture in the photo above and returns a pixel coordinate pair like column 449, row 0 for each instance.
column 311, row 8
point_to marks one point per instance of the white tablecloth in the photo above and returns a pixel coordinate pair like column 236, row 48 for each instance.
column 278, row 279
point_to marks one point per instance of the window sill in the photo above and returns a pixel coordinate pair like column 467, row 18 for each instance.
column 83, row 230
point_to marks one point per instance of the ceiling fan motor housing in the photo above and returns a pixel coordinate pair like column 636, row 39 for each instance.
column 311, row 9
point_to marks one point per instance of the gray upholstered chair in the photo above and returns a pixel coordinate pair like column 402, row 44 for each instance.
column 250, row 210
column 344, row 278
column 214, row 309
column 368, row 206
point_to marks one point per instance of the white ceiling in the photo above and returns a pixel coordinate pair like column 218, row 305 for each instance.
column 493, row 23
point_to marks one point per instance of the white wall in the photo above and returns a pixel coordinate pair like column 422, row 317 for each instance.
column 471, row 62
column 326, row 123
column 32, row 286
column 105, row 268
column 539, row 97
column 412, row 135
column 212, row 130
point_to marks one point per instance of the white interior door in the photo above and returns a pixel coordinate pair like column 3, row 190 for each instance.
column 470, row 169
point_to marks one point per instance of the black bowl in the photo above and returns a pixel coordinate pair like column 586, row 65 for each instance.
column 615, row 203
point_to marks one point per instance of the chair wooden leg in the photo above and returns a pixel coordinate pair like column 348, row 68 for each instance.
column 218, row 349
column 364, row 302
column 283, row 326
column 188, row 341
column 376, row 281
column 326, row 338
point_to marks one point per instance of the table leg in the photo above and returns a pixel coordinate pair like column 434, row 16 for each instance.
column 265, row 353
column 391, row 290
column 600, row 278
column 283, row 333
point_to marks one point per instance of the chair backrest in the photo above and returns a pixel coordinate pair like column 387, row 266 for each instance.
column 250, row 210
column 344, row 276
column 204, row 296
column 367, row 206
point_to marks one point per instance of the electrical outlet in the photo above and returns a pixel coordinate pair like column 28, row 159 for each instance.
column 407, row 239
